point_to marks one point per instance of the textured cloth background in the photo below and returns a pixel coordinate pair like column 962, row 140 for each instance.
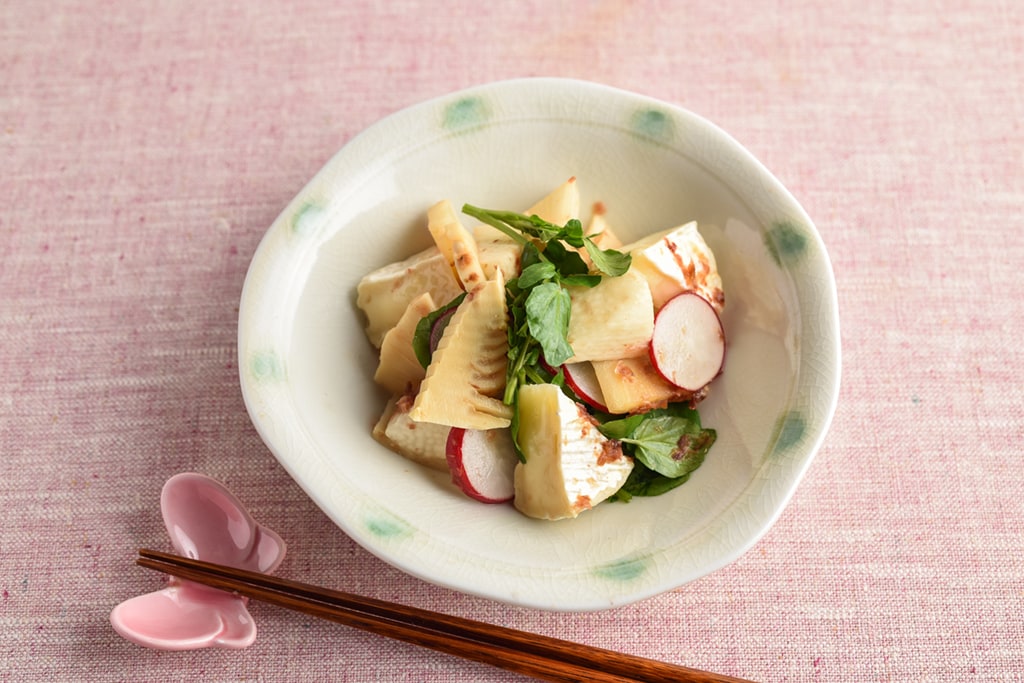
column 146, row 147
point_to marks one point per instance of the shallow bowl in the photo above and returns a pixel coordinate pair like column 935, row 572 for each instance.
column 306, row 366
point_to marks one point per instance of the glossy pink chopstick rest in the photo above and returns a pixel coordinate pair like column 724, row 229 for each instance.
column 207, row 522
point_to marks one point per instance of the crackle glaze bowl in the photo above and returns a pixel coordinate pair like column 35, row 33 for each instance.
column 306, row 366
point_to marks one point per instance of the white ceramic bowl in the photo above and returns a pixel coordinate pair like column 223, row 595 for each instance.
column 306, row 366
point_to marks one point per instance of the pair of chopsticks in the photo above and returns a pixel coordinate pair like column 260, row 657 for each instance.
column 535, row 655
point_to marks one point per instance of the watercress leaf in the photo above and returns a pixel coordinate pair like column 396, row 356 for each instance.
column 670, row 445
column 536, row 273
column 516, row 375
column 533, row 355
column 621, row 428
column 555, row 252
column 623, row 495
column 520, row 344
column 572, row 233
column 511, row 224
column 544, row 230
column 573, row 264
column 680, row 410
column 567, row 261
column 643, row 481
column 547, row 312
column 538, row 374
column 530, row 255
column 514, row 430
column 608, row 261
column 581, row 280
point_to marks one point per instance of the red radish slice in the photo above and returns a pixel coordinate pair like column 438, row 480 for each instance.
column 582, row 379
column 688, row 345
column 437, row 329
column 482, row 463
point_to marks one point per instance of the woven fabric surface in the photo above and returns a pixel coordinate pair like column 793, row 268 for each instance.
column 146, row 147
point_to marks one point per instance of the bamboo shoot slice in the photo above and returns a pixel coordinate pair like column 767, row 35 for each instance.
column 560, row 206
column 399, row 370
column 632, row 385
column 467, row 372
column 421, row 442
column 456, row 244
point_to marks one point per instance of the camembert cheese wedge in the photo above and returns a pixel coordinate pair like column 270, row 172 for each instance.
column 677, row 261
column 570, row 466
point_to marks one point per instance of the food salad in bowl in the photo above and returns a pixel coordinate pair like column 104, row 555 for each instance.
column 563, row 369
column 603, row 385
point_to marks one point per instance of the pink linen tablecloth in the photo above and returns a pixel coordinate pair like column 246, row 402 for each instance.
column 146, row 147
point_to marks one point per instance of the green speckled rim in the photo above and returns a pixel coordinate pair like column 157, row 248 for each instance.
column 466, row 113
column 272, row 370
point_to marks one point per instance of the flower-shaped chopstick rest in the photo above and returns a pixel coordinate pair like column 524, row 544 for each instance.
column 205, row 522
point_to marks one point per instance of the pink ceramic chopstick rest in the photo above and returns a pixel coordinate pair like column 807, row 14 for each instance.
column 206, row 522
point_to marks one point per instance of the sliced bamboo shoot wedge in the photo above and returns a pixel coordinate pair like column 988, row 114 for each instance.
column 560, row 206
column 456, row 244
column 421, row 442
column 467, row 371
column 399, row 370
column 503, row 257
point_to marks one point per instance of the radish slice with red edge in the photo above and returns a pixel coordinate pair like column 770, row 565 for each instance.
column 482, row 463
column 688, row 344
column 582, row 379
column 437, row 329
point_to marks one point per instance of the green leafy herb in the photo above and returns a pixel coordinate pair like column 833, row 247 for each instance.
column 539, row 305
column 538, row 302
column 645, row 482
column 536, row 273
column 523, row 352
column 547, row 316
column 668, row 445
column 520, row 227
column 567, row 262
column 553, row 239
column 621, row 428
column 608, row 261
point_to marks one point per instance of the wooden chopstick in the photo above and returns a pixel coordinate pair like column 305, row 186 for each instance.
column 535, row 655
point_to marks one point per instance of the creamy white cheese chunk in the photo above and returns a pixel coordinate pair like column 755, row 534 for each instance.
column 570, row 466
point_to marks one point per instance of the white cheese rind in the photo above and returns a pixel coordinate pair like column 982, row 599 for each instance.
column 384, row 294
column 676, row 261
column 570, row 466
